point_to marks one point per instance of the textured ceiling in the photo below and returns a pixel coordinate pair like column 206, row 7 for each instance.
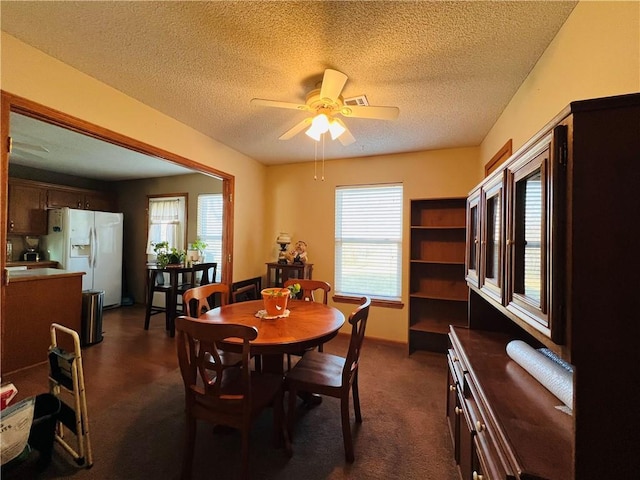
column 451, row 67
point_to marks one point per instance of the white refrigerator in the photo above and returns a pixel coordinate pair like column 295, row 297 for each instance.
column 91, row 242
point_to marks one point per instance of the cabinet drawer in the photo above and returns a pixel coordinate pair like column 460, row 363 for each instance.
column 485, row 466
column 456, row 367
column 490, row 459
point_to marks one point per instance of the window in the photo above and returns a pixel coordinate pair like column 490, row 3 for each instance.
column 210, row 228
column 369, row 241
column 167, row 222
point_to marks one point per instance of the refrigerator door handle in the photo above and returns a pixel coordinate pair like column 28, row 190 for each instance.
column 90, row 247
column 94, row 247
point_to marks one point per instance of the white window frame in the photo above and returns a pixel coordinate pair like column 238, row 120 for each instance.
column 368, row 241
column 176, row 221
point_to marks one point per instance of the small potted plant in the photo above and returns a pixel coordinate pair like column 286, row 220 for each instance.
column 168, row 256
column 275, row 299
column 200, row 246
column 176, row 257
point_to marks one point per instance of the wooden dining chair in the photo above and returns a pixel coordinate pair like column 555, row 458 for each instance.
column 222, row 394
column 309, row 289
column 198, row 300
column 199, row 274
column 245, row 294
column 246, row 290
column 332, row 375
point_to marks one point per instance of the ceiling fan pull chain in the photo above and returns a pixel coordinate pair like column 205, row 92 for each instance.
column 323, row 135
column 315, row 161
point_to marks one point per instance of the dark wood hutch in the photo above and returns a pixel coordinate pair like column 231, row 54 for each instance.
column 550, row 260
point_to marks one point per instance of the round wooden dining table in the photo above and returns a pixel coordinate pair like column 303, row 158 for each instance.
column 308, row 325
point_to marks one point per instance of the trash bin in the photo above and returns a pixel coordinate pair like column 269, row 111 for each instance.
column 43, row 427
column 91, row 328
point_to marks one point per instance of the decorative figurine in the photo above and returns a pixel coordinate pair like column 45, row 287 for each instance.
column 298, row 256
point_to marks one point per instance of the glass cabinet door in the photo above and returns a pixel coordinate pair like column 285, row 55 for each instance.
column 528, row 238
column 491, row 251
column 473, row 238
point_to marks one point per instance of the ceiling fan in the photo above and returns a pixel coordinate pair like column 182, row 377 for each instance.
column 325, row 103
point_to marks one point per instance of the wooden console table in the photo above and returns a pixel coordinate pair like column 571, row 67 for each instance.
column 278, row 273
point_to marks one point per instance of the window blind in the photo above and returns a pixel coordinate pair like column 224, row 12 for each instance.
column 209, row 227
column 368, row 241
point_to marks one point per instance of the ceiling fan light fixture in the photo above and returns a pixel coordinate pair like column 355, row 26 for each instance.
column 336, row 129
column 316, row 135
column 319, row 125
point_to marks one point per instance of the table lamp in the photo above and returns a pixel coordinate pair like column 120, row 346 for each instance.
column 284, row 239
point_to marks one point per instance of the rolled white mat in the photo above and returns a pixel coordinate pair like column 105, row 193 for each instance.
column 553, row 376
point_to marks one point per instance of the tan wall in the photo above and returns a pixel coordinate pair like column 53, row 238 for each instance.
column 595, row 54
column 132, row 199
column 29, row 73
column 305, row 208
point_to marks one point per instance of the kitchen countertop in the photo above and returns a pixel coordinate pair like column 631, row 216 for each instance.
column 39, row 274
column 38, row 264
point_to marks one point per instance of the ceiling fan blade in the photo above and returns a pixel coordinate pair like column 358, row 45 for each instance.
column 346, row 138
column 380, row 113
column 274, row 103
column 332, row 84
column 296, row 129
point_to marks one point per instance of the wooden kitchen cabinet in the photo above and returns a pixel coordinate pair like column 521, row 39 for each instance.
column 27, row 215
column 100, row 201
column 59, row 197
column 36, row 299
column 567, row 260
column 438, row 292
column 29, row 201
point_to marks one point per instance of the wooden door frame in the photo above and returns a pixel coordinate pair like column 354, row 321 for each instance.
column 13, row 103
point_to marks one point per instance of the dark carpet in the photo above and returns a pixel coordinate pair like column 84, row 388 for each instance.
column 404, row 434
